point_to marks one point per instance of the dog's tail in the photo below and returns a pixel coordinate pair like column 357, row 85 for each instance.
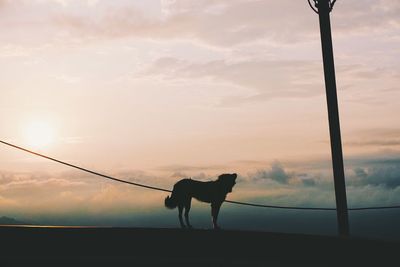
column 170, row 202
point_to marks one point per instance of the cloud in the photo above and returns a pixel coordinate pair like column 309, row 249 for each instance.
column 296, row 179
column 386, row 174
column 179, row 175
column 230, row 23
column 360, row 172
column 372, row 196
column 36, row 194
column 10, row 181
column 380, row 137
column 308, row 182
column 262, row 79
column 380, row 171
column 276, row 173
column 364, row 17
column 222, row 24
column 188, row 168
column 266, row 79
column 394, row 142
column 69, row 2
column 116, row 198
column 374, row 175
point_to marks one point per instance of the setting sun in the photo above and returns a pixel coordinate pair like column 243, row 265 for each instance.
column 39, row 134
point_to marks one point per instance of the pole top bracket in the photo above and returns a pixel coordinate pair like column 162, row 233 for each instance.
column 315, row 6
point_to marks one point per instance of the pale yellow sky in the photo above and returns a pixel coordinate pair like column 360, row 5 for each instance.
column 192, row 87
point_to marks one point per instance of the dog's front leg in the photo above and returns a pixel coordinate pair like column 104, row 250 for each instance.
column 214, row 214
column 180, row 209
column 187, row 209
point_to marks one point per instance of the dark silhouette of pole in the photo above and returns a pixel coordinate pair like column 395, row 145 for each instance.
column 323, row 8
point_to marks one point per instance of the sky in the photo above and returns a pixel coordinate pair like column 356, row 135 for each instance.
column 155, row 91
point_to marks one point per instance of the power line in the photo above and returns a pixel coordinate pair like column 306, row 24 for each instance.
column 376, row 208
column 277, row 207
column 84, row 169
column 169, row 191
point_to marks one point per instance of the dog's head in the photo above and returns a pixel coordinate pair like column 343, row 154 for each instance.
column 227, row 181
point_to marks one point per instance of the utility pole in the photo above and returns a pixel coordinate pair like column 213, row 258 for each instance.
column 323, row 8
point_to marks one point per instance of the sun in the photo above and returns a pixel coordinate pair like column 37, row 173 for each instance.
column 39, row 134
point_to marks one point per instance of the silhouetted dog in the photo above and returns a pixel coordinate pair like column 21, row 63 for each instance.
column 213, row 192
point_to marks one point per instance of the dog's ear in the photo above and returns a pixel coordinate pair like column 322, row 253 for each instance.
column 234, row 175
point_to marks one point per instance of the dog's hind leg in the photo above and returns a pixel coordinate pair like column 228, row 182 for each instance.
column 187, row 209
column 180, row 209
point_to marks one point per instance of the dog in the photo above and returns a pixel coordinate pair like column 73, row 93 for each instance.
column 213, row 192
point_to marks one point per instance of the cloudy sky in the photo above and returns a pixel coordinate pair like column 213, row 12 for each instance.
column 154, row 91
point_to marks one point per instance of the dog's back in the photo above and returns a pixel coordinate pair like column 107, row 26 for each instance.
column 203, row 191
column 188, row 188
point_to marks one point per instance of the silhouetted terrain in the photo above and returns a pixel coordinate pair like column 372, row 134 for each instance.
column 11, row 221
column 176, row 247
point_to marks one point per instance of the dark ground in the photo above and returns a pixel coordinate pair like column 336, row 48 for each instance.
column 59, row 246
